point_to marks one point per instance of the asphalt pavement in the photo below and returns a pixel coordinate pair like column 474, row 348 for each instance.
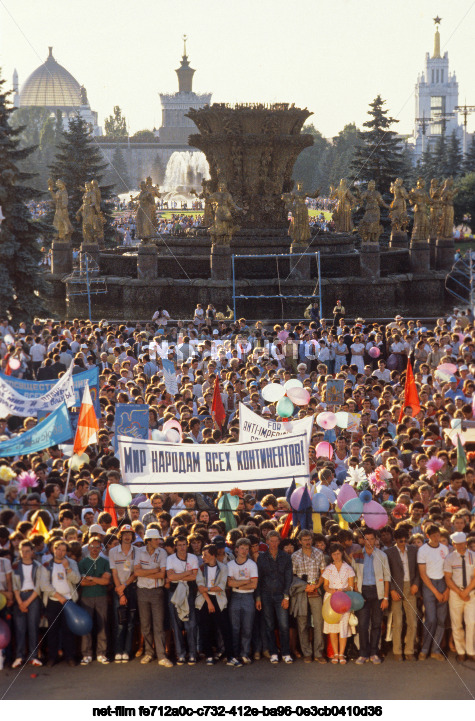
column 428, row 679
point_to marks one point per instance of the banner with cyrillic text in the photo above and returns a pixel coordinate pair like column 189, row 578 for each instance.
column 13, row 403
column 54, row 429
column 35, row 389
column 256, row 428
column 153, row 466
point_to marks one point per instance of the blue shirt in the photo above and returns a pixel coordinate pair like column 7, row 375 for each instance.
column 369, row 579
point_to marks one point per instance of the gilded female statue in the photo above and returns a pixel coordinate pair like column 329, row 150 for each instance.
column 61, row 216
column 421, row 201
column 296, row 202
column 223, row 207
column 145, row 215
column 345, row 201
column 398, row 213
column 446, row 223
column 87, row 212
column 370, row 228
column 435, row 193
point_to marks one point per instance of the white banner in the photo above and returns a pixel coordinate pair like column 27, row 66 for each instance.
column 13, row 403
column 155, row 467
column 255, row 428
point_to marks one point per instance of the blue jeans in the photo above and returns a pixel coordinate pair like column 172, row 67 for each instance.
column 272, row 610
column 27, row 623
column 259, row 636
column 241, row 615
column 435, row 615
column 370, row 615
column 125, row 617
column 190, row 627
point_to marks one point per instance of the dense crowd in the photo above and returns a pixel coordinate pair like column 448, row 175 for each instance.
column 171, row 577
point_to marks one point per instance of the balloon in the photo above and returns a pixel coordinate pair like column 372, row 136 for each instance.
column 293, row 383
column 346, row 493
column 320, row 503
column 5, row 634
column 329, row 615
column 340, row 602
column 299, row 396
column 9, row 339
column 3, row 601
column 159, row 436
column 326, row 420
column 77, row 618
column 374, row 352
column 14, row 364
column 357, row 600
column 365, row 496
column 352, row 510
column 273, row 392
column 172, row 424
column 324, row 450
column 232, row 500
column 173, row 436
column 296, row 497
column 374, row 515
column 76, row 461
column 285, row 407
column 448, row 368
column 342, row 419
column 341, row 477
column 120, row 495
column 328, row 493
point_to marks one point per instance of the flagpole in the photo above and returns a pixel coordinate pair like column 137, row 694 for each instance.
column 65, row 497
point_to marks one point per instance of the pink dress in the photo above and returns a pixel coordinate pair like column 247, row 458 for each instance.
column 338, row 579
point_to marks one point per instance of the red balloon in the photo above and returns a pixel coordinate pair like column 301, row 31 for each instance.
column 340, row 602
column 5, row 634
column 374, row 352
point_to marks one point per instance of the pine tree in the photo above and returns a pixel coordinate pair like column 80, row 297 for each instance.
column 454, row 156
column 79, row 160
column 23, row 283
column 378, row 155
column 118, row 174
column 468, row 165
column 440, row 158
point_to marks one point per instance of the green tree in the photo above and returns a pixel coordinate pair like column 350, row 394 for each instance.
column 341, row 154
column 41, row 131
column 378, row 155
column 306, row 168
column 454, row 156
column 464, row 201
column 79, row 160
column 468, row 165
column 146, row 136
column 23, row 284
column 118, row 174
column 115, row 125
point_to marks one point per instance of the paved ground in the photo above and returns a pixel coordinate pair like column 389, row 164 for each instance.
column 425, row 680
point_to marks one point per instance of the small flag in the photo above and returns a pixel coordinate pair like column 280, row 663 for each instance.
column 109, row 507
column 87, row 424
column 218, row 412
column 411, row 398
column 226, row 514
column 286, row 528
column 317, row 522
column 461, row 457
column 39, row 528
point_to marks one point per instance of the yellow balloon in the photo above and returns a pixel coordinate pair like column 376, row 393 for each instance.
column 3, row 601
column 76, row 461
column 329, row 615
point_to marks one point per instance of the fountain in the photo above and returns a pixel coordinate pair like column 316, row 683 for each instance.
column 185, row 170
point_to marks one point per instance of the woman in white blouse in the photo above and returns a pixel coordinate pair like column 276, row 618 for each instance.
column 357, row 352
column 338, row 576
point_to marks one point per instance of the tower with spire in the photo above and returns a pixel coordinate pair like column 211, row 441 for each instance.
column 176, row 128
column 436, row 97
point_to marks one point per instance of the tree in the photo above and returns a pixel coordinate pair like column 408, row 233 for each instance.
column 118, row 174
column 378, row 155
column 468, row 165
column 146, row 136
column 454, row 156
column 41, row 129
column 115, row 125
column 23, row 283
column 341, row 154
column 464, row 201
column 307, row 164
column 79, row 160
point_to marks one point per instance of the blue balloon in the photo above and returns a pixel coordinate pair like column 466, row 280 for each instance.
column 77, row 618
column 357, row 600
column 320, row 503
column 341, row 477
column 365, row 496
column 285, row 407
column 352, row 510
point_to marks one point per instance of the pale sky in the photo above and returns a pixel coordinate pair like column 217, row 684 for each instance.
column 331, row 56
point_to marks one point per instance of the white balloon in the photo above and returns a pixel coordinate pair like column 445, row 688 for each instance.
column 159, row 436
column 273, row 392
column 293, row 383
column 173, row 436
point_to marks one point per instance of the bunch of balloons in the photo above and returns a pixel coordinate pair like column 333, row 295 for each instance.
column 285, row 396
column 354, row 505
column 329, row 420
column 339, row 603
column 170, row 433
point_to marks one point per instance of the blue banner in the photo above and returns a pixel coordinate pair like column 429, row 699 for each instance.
column 35, row 389
column 54, row 429
column 131, row 420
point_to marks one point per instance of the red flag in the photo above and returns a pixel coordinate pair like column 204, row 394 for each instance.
column 87, row 424
column 287, row 524
column 219, row 414
column 109, row 507
column 410, row 394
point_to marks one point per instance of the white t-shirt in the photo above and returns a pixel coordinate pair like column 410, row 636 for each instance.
column 434, row 559
column 241, row 571
column 179, row 566
column 212, row 570
column 5, row 569
column 28, row 584
column 59, row 580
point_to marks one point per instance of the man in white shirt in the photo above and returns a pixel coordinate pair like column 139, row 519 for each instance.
column 242, row 579
column 37, row 354
column 383, row 373
column 182, row 569
column 435, row 594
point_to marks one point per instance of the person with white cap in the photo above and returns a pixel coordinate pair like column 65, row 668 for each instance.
column 150, row 568
column 459, row 573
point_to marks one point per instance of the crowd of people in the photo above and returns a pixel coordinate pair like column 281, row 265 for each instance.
column 170, row 577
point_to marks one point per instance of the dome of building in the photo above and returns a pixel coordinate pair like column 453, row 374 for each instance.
column 51, row 86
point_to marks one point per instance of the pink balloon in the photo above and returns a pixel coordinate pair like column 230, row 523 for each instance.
column 448, row 368
column 296, row 497
column 299, row 396
column 14, row 364
column 340, row 602
column 346, row 493
column 324, row 450
column 374, row 515
column 326, row 420
column 172, row 424
column 374, row 352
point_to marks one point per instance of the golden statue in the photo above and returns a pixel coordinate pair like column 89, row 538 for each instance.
column 87, row 212
column 61, row 217
column 435, row 207
column 154, row 193
column 223, row 208
column 345, row 202
column 370, row 228
column 99, row 220
column 421, row 201
column 296, row 202
column 398, row 213
column 446, row 223
column 145, row 215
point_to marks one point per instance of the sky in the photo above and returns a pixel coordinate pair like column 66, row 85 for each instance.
column 332, row 56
